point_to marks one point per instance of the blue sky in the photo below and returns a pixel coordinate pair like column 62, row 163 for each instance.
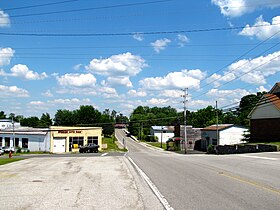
column 61, row 54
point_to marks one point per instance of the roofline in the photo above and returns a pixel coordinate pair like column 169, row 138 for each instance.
column 269, row 101
column 277, row 84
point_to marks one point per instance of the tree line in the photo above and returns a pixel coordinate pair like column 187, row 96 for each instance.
column 142, row 118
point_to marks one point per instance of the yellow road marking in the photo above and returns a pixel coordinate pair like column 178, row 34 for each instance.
column 250, row 182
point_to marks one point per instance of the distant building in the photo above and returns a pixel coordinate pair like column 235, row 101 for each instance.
column 163, row 133
column 120, row 125
column 33, row 139
column 7, row 123
column 68, row 139
column 227, row 134
column 265, row 117
column 193, row 134
column 56, row 139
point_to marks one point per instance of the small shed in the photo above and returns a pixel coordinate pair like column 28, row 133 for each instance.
column 222, row 134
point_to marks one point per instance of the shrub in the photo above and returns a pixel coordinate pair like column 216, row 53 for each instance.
column 210, row 149
column 151, row 138
column 19, row 150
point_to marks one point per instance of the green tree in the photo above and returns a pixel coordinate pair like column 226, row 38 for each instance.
column 45, row 120
column 88, row 115
column 30, row 122
column 64, row 118
column 2, row 115
column 246, row 105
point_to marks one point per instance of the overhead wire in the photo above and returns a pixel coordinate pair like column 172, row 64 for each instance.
column 241, row 56
column 39, row 5
column 90, row 8
column 240, row 75
column 130, row 33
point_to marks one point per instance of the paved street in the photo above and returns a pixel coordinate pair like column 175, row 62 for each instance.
column 112, row 181
column 246, row 181
column 74, row 183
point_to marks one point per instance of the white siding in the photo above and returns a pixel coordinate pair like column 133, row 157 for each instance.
column 165, row 136
column 265, row 111
column 232, row 135
column 35, row 142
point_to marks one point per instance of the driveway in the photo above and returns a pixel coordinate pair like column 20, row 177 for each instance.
column 74, row 183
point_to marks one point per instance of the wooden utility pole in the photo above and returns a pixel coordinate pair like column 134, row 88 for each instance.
column 185, row 118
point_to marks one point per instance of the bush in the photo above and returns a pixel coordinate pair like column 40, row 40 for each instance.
column 18, row 150
column 151, row 138
column 210, row 149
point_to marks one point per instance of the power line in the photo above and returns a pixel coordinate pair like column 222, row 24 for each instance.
column 130, row 33
column 241, row 75
column 241, row 56
column 90, row 8
column 39, row 5
column 134, row 46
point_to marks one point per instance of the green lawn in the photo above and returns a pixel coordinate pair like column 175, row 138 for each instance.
column 9, row 160
column 157, row 144
column 111, row 145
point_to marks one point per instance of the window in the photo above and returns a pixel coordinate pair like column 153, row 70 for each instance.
column 16, row 142
column 77, row 140
column 214, row 141
column 24, row 142
column 1, row 141
column 7, row 141
column 92, row 139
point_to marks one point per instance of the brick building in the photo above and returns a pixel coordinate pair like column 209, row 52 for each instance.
column 265, row 117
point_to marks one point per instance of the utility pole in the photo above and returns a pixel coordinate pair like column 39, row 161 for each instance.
column 185, row 118
column 217, row 123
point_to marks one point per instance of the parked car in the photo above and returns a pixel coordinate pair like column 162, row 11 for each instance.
column 89, row 148
column 7, row 149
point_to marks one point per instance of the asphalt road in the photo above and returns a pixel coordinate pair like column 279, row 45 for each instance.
column 246, row 181
column 89, row 182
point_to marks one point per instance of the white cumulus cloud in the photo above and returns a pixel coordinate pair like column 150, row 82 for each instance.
column 13, row 91
column 182, row 40
column 160, row 44
column 138, row 36
column 183, row 79
column 76, row 80
column 121, row 80
column 23, row 71
column 236, row 8
column 47, row 94
column 125, row 64
column 134, row 93
column 267, row 30
column 237, row 93
column 6, row 55
column 4, row 19
column 252, row 71
column 157, row 102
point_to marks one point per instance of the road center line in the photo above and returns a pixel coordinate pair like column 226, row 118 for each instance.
column 250, row 182
column 151, row 185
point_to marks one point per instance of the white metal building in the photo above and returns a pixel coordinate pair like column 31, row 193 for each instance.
column 7, row 123
column 33, row 139
column 227, row 134
column 163, row 133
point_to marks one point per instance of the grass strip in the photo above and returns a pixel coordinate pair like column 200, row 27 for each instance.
column 9, row 160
